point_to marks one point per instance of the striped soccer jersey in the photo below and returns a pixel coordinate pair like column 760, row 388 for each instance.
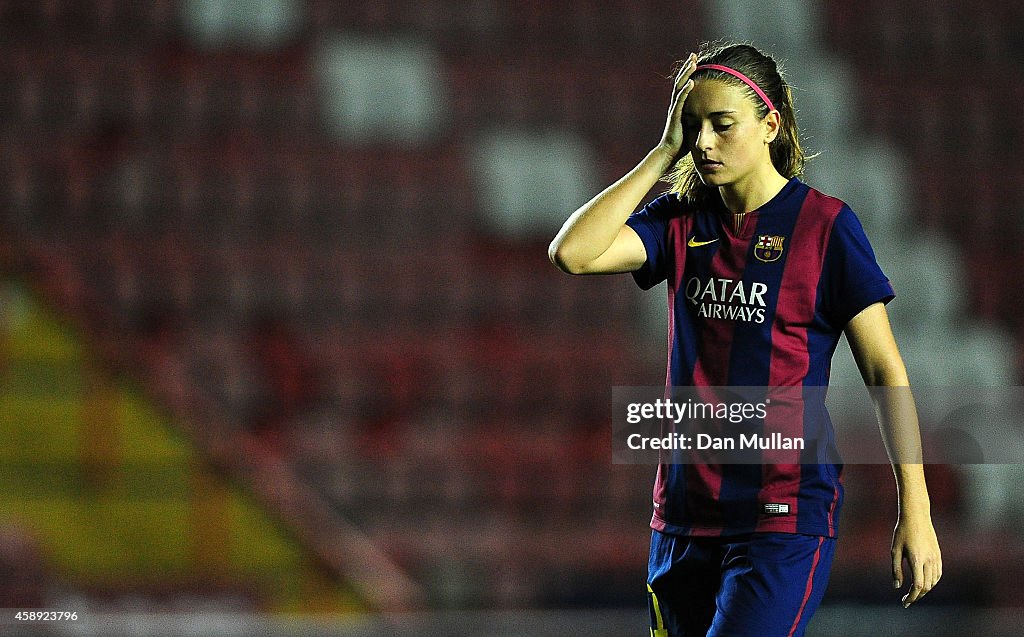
column 764, row 306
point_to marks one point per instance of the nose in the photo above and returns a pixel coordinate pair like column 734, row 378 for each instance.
column 702, row 142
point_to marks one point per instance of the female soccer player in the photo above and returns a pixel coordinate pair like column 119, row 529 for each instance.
column 764, row 274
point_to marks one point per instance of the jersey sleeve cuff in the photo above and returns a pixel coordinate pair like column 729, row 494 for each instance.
column 878, row 291
column 645, row 276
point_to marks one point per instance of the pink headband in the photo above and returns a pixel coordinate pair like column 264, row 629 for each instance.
column 746, row 80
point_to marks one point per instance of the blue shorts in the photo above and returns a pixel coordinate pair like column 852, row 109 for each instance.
column 764, row 584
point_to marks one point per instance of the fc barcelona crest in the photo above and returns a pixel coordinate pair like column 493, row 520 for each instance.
column 768, row 247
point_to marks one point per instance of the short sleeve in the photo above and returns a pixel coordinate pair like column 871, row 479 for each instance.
column 851, row 278
column 651, row 225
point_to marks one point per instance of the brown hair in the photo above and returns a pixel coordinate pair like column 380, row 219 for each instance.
column 787, row 155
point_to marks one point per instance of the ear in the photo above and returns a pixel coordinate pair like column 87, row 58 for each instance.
column 773, row 126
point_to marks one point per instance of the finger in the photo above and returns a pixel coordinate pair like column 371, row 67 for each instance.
column 681, row 96
column 920, row 581
column 928, row 581
column 917, row 588
column 936, row 573
column 683, row 90
column 680, row 91
column 920, row 594
column 912, row 595
column 897, row 568
column 686, row 70
column 689, row 61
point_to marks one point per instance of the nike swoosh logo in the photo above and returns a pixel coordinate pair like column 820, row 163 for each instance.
column 693, row 243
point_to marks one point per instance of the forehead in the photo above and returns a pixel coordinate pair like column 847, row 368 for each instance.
column 713, row 96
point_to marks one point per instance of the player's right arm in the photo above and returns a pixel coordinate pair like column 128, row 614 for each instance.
column 595, row 239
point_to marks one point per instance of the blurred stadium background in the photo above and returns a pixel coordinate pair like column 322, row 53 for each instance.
column 281, row 352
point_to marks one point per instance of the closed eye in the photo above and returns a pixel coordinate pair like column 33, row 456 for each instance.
column 690, row 127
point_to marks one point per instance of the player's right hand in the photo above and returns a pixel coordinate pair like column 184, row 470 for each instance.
column 673, row 137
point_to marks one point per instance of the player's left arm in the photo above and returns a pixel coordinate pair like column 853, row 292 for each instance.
column 914, row 540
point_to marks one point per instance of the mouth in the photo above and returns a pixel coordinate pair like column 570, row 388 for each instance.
column 708, row 164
